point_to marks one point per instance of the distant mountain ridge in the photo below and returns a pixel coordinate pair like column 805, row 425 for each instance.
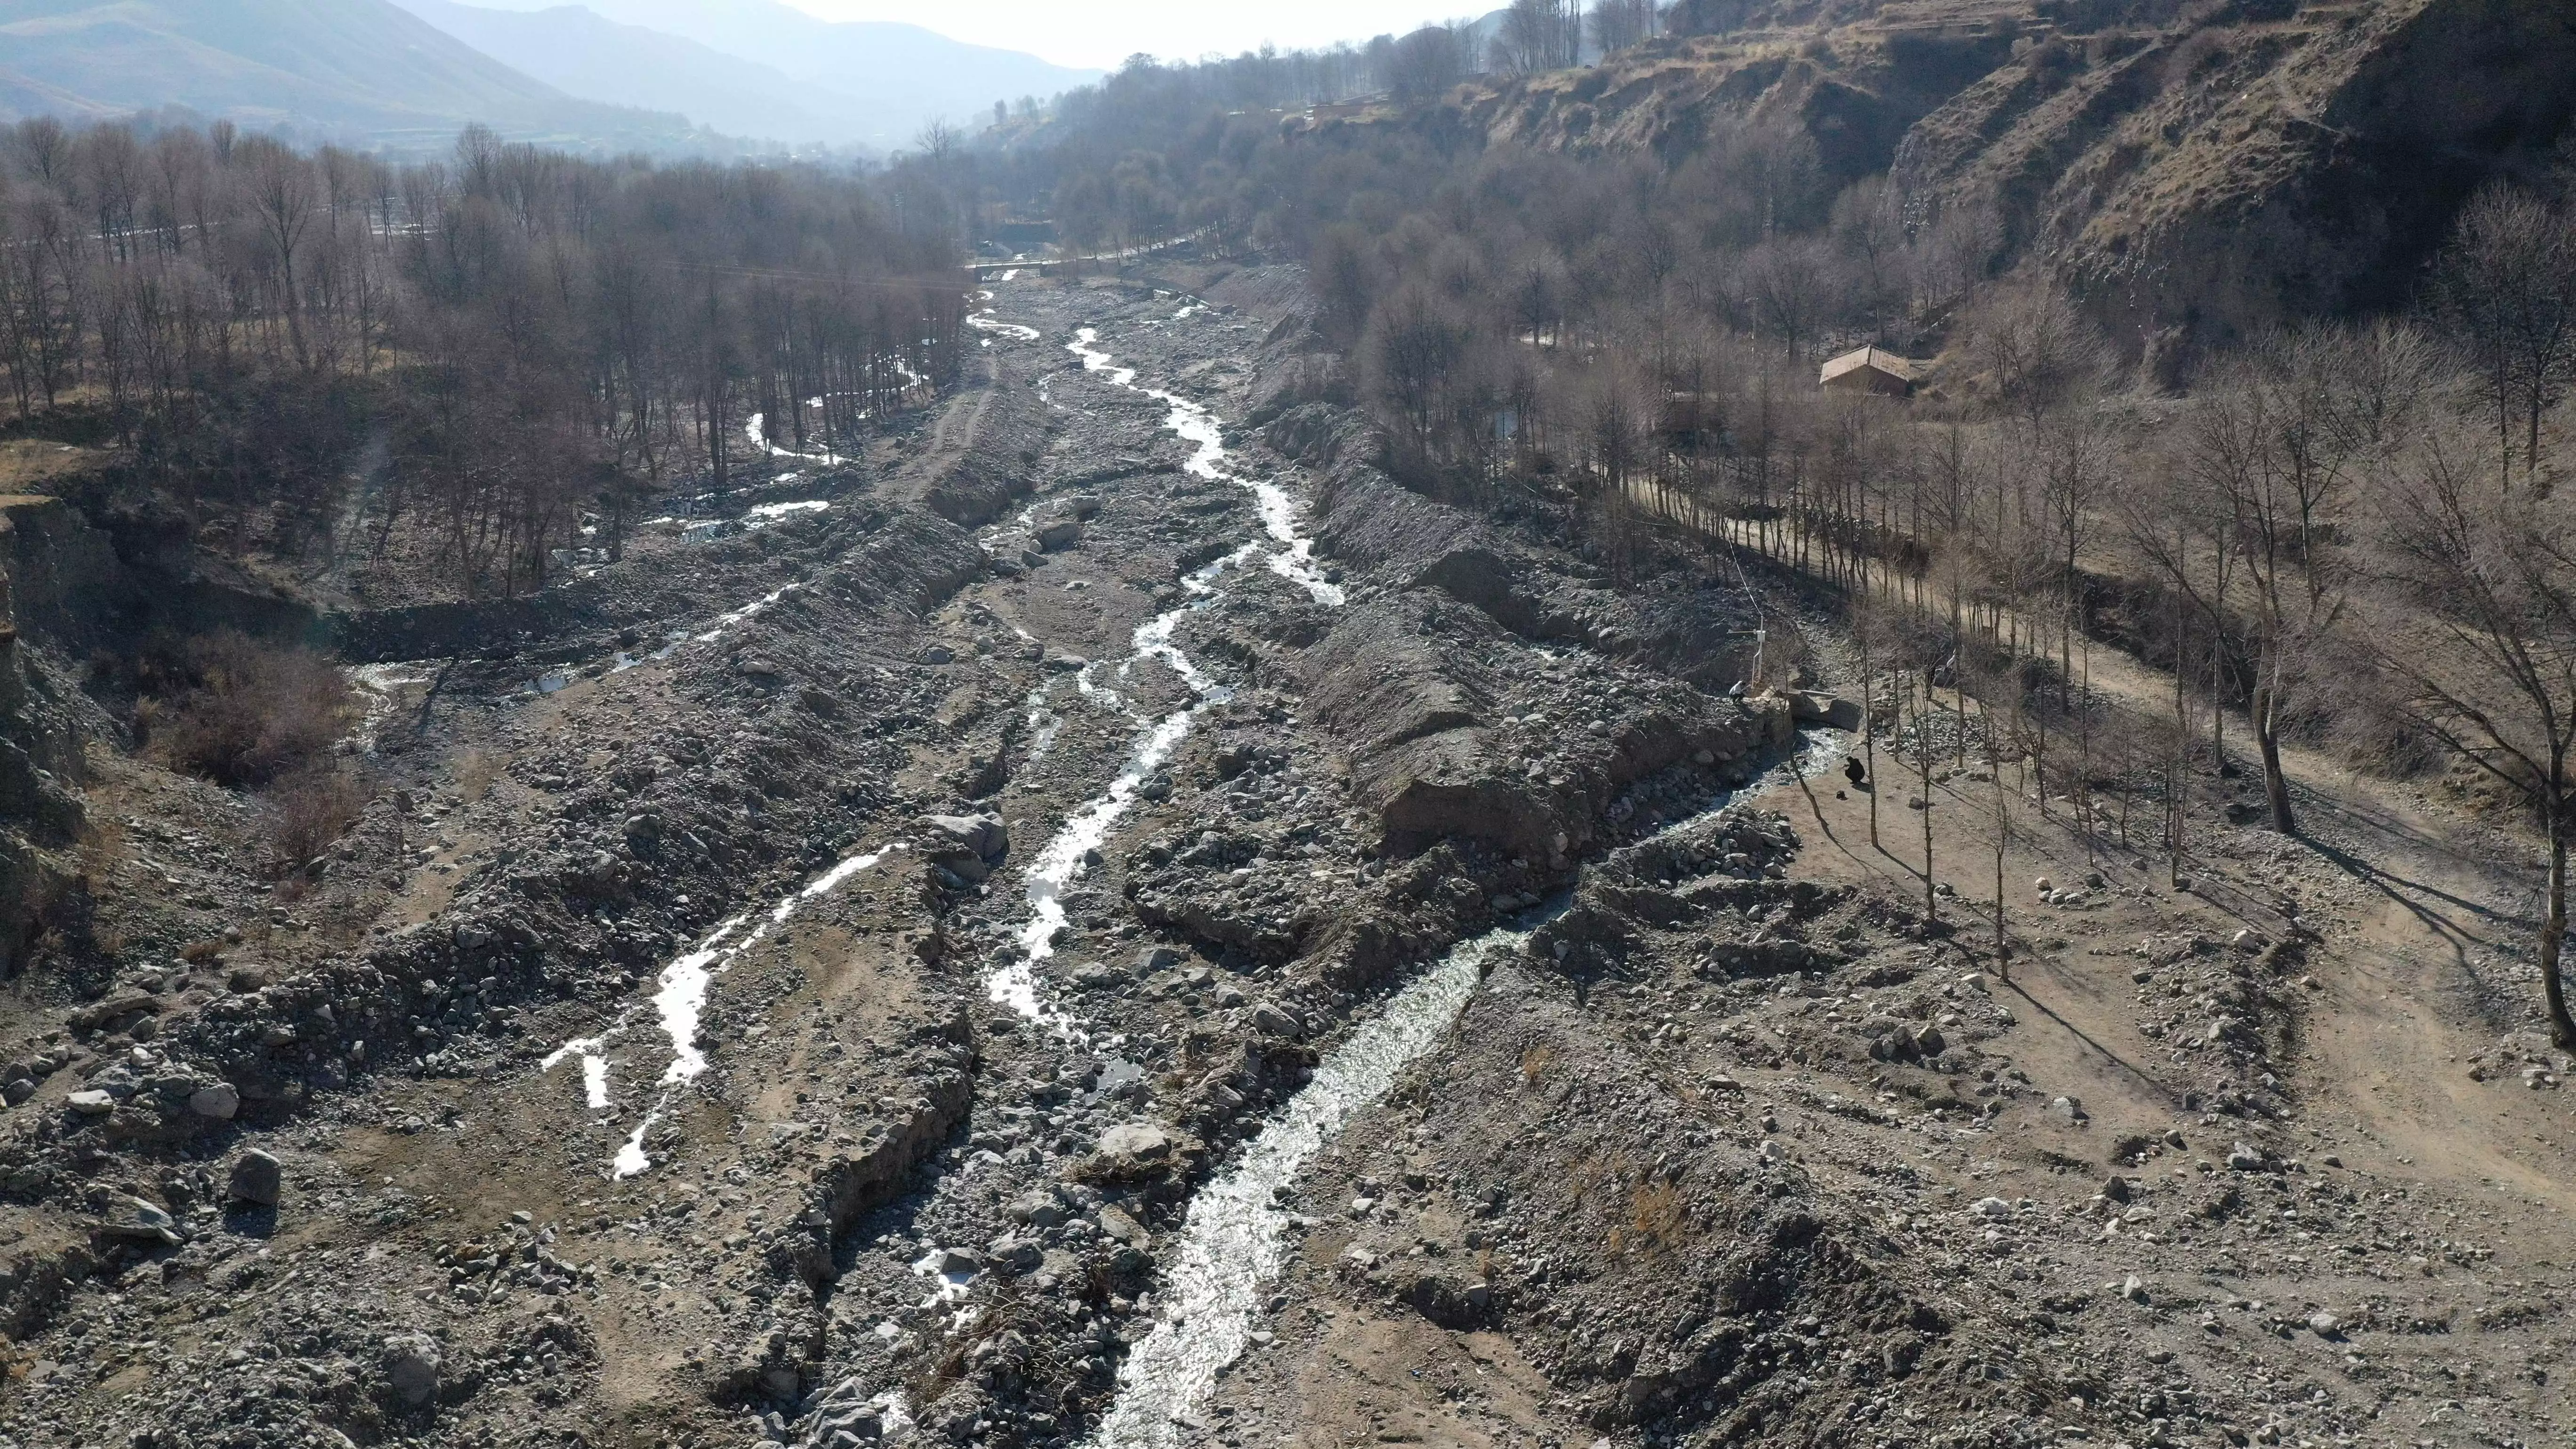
column 364, row 71
column 583, row 53
column 874, row 82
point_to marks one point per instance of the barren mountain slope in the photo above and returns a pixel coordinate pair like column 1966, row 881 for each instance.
column 2188, row 169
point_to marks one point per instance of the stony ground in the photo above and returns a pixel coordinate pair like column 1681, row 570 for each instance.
column 840, row 988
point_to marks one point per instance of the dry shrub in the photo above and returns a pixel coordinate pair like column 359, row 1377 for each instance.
column 102, row 844
column 310, row 809
column 1658, row 1216
column 1535, row 1062
column 257, row 712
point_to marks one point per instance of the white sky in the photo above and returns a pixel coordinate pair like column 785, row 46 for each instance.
column 1104, row 32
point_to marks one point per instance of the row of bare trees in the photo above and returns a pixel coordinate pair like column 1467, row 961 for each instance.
column 2351, row 532
column 516, row 335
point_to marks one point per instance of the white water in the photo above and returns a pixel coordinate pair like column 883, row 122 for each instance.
column 985, row 321
column 1295, row 560
column 728, row 620
column 379, row 688
column 1014, row 982
column 679, row 1001
column 1060, row 863
column 1235, row 1239
column 761, row 514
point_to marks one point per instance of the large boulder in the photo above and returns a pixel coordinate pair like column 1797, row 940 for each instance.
column 412, row 1362
column 257, row 1179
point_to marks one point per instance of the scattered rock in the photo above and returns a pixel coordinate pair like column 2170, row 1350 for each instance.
column 257, row 1179
column 411, row 1367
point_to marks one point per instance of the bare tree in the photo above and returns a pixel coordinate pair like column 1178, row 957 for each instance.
column 2278, row 442
column 1618, row 24
column 1427, row 62
column 2507, row 281
column 2483, row 645
column 1537, row 35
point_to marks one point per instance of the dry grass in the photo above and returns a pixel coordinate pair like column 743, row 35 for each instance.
column 28, row 464
column 1535, row 1062
column 102, row 844
column 1658, row 1219
column 477, row 770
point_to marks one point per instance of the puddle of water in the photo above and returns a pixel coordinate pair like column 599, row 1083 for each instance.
column 760, row 514
column 759, row 436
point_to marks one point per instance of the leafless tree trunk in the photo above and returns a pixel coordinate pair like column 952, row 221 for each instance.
column 2482, row 645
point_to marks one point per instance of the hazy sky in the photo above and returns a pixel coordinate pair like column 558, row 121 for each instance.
column 1104, row 32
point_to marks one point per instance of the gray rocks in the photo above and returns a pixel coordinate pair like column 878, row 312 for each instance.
column 1810, row 707
column 1037, row 1209
column 966, row 846
column 411, row 1367
column 2242, row 1158
column 220, row 1101
column 1140, row 1140
column 90, row 1103
column 1269, row 1020
column 985, row 835
column 257, row 1179
column 133, row 1218
column 1122, row 1228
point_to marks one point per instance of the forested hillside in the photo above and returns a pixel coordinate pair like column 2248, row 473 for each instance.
column 490, row 350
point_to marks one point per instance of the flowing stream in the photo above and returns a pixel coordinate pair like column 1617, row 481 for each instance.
column 1013, row 982
column 1235, row 1239
column 680, row 998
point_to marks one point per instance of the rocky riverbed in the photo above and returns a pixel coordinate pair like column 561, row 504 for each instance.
column 1119, row 924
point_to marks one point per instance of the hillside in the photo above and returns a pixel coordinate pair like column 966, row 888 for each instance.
column 874, row 81
column 338, row 69
column 2190, row 171
column 584, row 54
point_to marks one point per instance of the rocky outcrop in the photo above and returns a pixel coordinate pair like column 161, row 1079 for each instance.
column 1450, row 737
